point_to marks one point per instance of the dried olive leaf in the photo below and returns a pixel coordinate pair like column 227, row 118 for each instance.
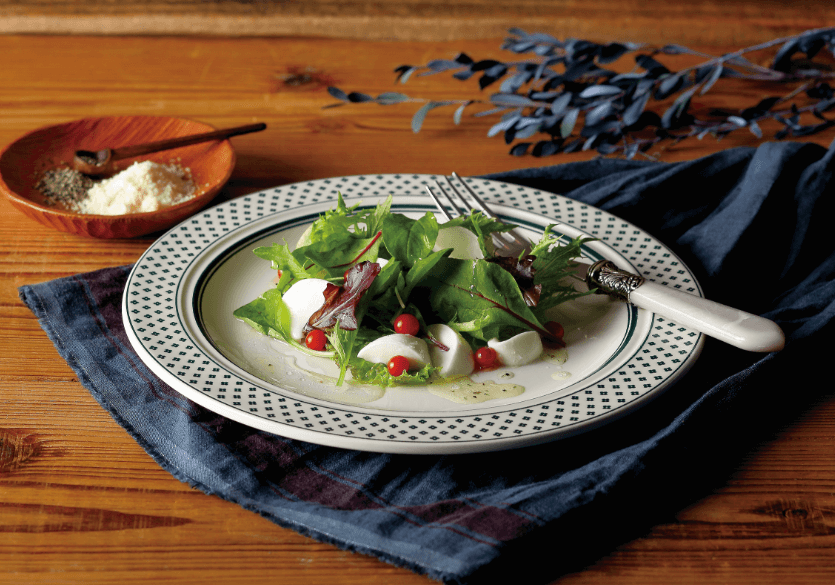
column 357, row 97
column 600, row 90
column 568, row 122
column 617, row 104
column 338, row 93
column 714, row 75
column 420, row 115
column 599, row 113
column 635, row 109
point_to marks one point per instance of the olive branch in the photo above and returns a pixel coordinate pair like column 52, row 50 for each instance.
column 564, row 94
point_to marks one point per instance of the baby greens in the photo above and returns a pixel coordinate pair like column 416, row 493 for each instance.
column 380, row 264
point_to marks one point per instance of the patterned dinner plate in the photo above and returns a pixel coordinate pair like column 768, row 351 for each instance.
column 181, row 294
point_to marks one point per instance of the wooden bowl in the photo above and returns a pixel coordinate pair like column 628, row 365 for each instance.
column 24, row 161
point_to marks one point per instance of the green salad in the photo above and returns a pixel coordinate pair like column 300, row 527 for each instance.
column 384, row 279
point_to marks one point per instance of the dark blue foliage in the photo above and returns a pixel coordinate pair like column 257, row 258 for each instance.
column 563, row 93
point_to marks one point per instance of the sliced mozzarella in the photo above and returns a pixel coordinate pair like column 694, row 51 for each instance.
column 463, row 242
column 457, row 359
column 381, row 350
column 518, row 350
column 303, row 299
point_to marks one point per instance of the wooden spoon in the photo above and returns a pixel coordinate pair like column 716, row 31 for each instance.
column 99, row 162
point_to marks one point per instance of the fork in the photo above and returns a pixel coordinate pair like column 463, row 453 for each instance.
column 733, row 326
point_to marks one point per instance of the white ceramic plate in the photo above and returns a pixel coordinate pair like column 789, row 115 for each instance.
column 180, row 296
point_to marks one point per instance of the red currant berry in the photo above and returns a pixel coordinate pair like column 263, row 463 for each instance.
column 486, row 357
column 555, row 329
column 397, row 365
column 407, row 324
column 316, row 340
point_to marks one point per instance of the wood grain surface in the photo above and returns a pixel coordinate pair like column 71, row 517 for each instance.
column 732, row 22
column 80, row 502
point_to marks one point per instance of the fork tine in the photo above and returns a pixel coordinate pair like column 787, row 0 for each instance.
column 457, row 209
column 479, row 203
column 510, row 241
column 438, row 203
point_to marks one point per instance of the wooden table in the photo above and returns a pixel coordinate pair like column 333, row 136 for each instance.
column 80, row 502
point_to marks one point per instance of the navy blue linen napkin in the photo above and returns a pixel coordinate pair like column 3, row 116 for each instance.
column 755, row 227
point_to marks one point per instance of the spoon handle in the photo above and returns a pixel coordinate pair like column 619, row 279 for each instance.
column 140, row 149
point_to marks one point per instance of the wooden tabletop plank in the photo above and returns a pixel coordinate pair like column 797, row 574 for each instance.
column 698, row 22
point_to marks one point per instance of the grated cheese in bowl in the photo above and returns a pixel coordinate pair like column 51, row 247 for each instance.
column 142, row 187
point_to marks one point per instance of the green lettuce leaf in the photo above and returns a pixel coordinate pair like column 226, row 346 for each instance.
column 268, row 315
column 407, row 239
column 479, row 298
column 367, row 373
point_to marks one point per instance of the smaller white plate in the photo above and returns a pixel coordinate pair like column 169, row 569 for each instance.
column 180, row 297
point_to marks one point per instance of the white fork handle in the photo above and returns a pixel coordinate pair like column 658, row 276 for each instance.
column 730, row 325
column 738, row 328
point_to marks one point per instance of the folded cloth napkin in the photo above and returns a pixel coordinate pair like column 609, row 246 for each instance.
column 753, row 224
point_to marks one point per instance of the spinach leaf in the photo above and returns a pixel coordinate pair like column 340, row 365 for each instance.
column 480, row 298
column 334, row 255
column 420, row 269
column 407, row 239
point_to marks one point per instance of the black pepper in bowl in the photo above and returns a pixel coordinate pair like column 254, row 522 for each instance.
column 64, row 186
